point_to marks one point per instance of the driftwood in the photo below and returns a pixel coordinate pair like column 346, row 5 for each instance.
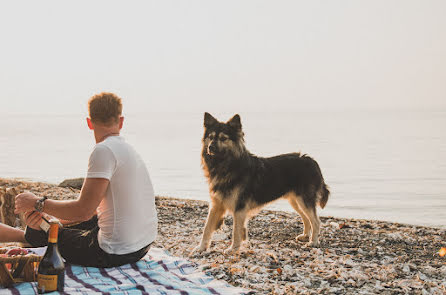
column 7, row 206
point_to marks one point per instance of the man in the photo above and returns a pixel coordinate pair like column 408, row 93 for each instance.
column 116, row 206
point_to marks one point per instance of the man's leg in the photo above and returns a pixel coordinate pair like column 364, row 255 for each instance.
column 79, row 244
column 89, row 224
column 39, row 238
column 117, row 260
column 82, row 247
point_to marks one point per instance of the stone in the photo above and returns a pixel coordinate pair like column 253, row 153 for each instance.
column 73, row 183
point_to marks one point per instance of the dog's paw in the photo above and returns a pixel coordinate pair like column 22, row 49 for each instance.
column 231, row 251
column 313, row 244
column 302, row 238
column 197, row 251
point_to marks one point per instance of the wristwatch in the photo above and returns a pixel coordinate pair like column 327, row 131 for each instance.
column 39, row 204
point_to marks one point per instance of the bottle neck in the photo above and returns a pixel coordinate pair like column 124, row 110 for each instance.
column 52, row 240
column 51, row 249
column 53, row 233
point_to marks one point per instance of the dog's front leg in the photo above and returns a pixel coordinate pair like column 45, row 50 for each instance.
column 239, row 231
column 214, row 220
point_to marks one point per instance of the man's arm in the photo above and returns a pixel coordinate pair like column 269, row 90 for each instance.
column 81, row 209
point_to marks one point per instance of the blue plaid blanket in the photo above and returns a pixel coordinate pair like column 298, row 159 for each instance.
column 157, row 273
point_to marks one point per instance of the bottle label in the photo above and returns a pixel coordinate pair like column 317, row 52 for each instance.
column 45, row 226
column 47, row 282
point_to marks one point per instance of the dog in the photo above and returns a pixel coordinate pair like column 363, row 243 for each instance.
column 241, row 183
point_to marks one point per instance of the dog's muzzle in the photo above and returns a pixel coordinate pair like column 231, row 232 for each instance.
column 212, row 150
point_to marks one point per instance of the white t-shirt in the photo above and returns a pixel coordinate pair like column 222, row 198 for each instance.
column 127, row 215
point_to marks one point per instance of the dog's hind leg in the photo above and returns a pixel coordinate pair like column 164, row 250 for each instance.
column 305, row 236
column 239, row 231
column 213, row 222
column 311, row 214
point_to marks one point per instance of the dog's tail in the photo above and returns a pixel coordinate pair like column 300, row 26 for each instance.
column 324, row 192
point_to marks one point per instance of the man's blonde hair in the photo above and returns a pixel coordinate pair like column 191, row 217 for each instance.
column 105, row 108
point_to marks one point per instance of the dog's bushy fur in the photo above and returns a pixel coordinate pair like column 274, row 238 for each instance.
column 241, row 183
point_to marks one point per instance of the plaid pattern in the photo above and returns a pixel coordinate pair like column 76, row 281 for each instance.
column 157, row 273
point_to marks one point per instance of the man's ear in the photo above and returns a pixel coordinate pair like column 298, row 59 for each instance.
column 209, row 120
column 121, row 122
column 90, row 125
column 235, row 122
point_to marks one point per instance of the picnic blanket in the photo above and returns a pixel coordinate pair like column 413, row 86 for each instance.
column 157, row 273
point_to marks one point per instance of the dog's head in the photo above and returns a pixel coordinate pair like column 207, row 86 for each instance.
column 222, row 139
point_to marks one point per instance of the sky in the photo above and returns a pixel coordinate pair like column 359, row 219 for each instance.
column 230, row 56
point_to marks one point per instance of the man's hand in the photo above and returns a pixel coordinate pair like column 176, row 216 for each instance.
column 25, row 202
column 33, row 219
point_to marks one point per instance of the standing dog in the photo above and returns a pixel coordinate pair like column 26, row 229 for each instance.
column 241, row 183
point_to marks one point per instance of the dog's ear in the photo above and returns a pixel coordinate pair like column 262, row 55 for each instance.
column 209, row 120
column 235, row 122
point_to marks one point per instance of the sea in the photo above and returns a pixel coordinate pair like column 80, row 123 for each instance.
column 385, row 165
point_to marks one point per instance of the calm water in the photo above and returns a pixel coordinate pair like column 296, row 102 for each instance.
column 386, row 165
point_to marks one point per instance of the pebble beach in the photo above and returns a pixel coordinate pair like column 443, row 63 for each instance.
column 355, row 256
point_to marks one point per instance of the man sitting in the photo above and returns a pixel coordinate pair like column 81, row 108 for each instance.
column 116, row 206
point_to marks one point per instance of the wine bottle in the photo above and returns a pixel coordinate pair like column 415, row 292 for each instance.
column 51, row 272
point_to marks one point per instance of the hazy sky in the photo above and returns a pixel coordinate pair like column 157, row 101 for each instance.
column 225, row 55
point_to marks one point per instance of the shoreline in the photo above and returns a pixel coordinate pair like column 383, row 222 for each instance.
column 355, row 256
column 30, row 180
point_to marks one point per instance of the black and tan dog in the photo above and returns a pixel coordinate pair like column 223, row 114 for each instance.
column 241, row 183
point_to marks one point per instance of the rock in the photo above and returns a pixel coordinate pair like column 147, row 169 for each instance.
column 406, row 268
column 334, row 224
column 378, row 286
column 422, row 276
column 73, row 183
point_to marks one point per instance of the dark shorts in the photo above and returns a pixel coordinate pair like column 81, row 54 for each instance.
column 78, row 244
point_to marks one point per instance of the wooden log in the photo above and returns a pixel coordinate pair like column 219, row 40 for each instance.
column 7, row 207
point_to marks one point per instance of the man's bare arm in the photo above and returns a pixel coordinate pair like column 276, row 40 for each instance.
column 81, row 209
column 92, row 193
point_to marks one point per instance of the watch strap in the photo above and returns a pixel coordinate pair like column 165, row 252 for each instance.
column 40, row 203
